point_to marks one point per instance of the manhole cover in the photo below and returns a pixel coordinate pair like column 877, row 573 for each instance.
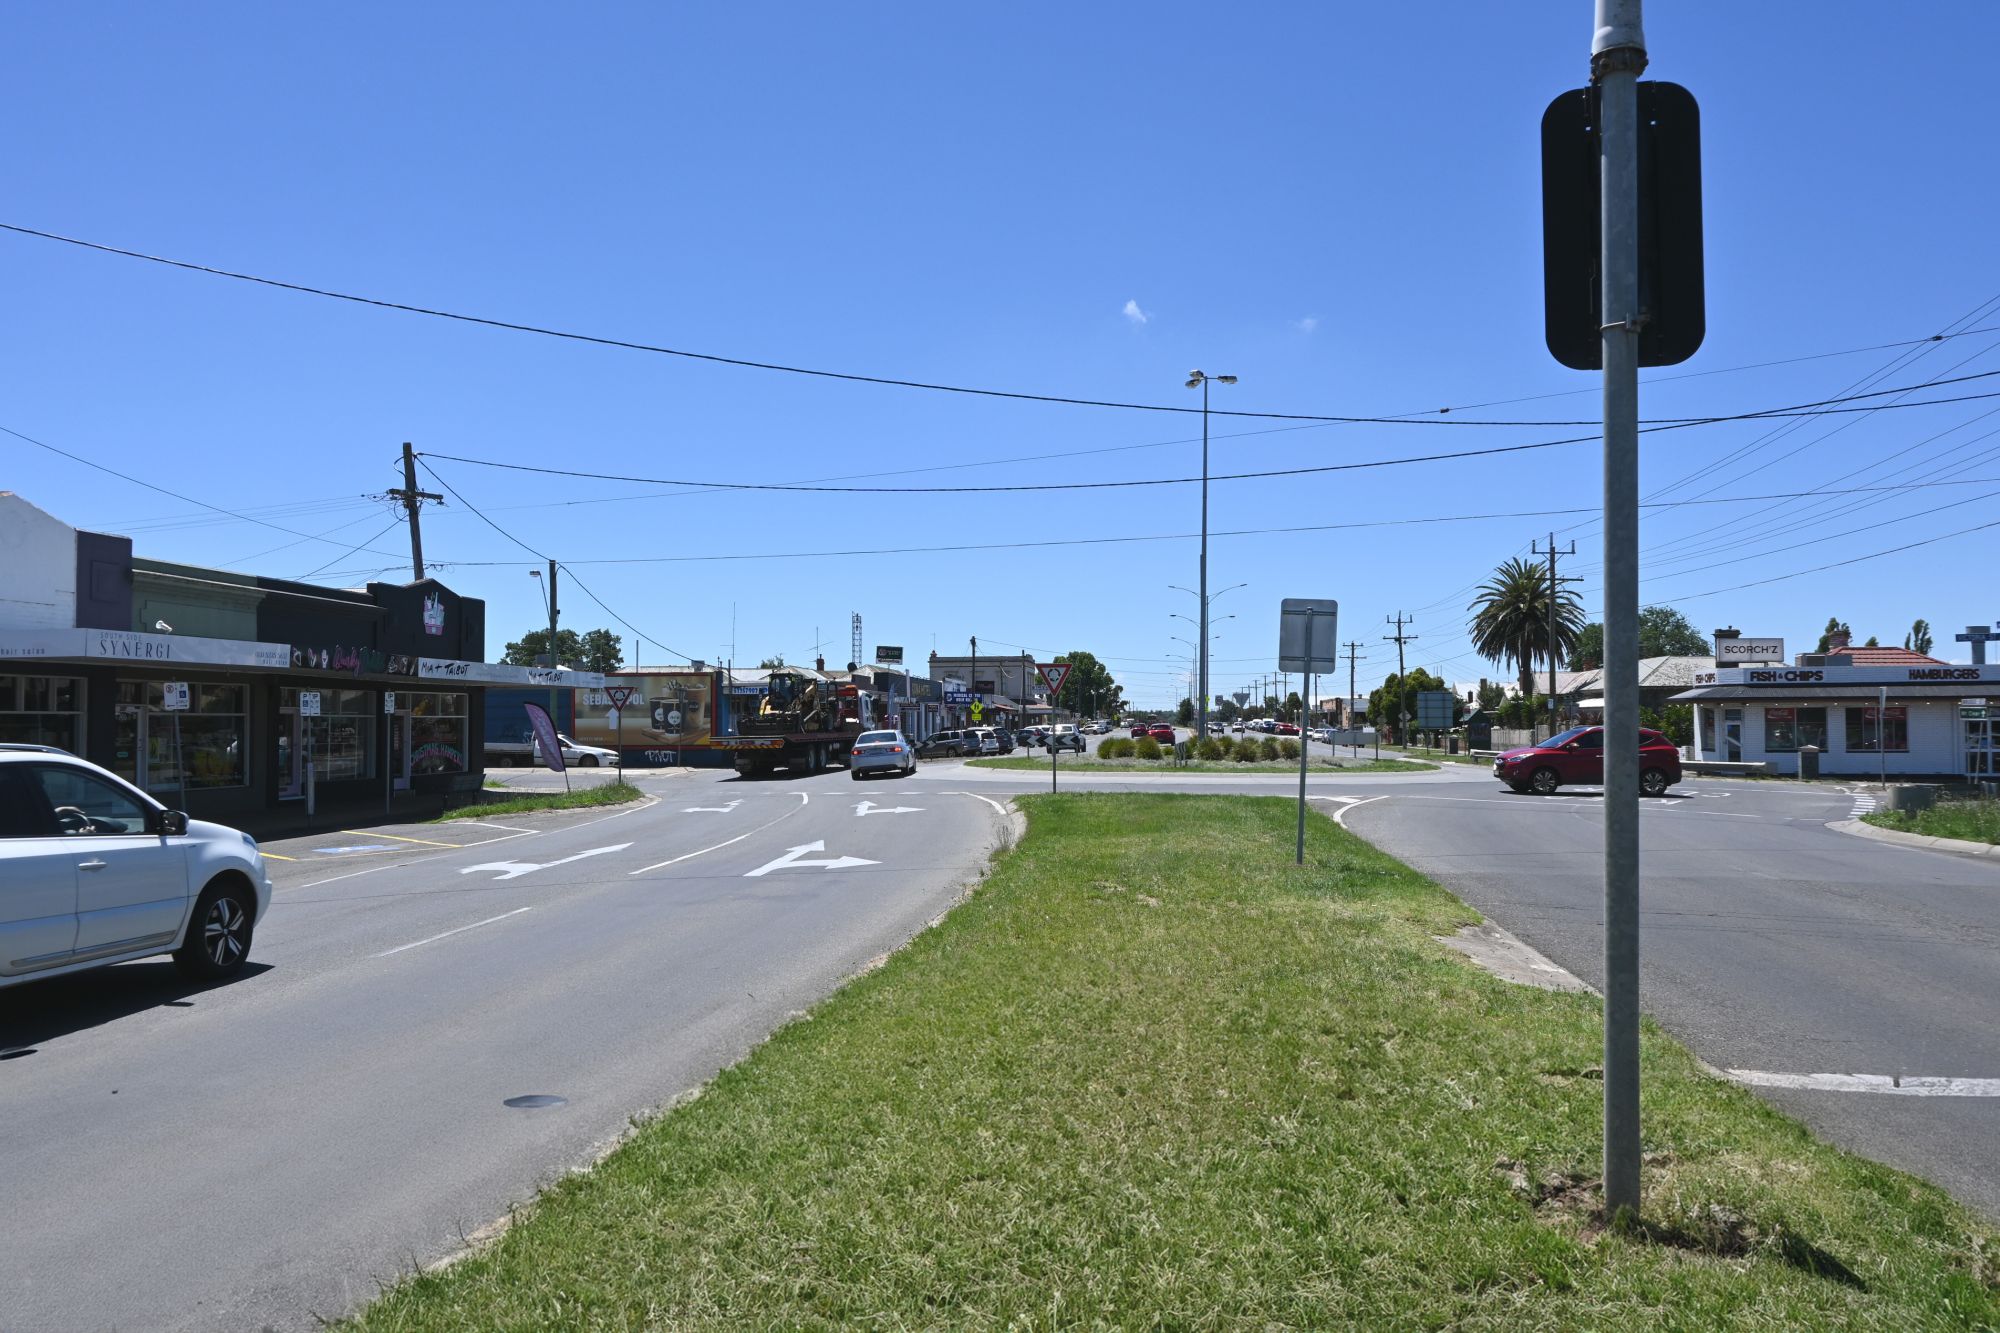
column 535, row 1101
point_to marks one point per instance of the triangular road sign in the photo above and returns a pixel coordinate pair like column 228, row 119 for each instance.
column 620, row 695
column 1055, row 673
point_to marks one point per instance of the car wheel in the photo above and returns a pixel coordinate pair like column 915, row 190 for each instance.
column 1518, row 786
column 1653, row 782
column 855, row 774
column 1544, row 781
column 588, row 761
column 218, row 934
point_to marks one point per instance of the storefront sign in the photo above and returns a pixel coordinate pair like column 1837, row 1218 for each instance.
column 340, row 659
column 502, row 673
column 1849, row 675
column 433, row 614
column 131, row 646
column 1749, row 650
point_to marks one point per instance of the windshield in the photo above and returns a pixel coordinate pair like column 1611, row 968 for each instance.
column 1566, row 737
column 877, row 737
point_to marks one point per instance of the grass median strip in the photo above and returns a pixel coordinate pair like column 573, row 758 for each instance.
column 1152, row 1075
column 1971, row 820
column 606, row 793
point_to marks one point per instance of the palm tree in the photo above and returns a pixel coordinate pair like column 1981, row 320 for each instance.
column 1510, row 620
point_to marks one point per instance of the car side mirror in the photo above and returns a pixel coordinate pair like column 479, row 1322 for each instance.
column 167, row 823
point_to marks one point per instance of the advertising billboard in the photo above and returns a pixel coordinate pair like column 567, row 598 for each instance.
column 669, row 708
column 1741, row 650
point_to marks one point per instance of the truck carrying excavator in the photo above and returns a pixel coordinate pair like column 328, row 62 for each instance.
column 805, row 722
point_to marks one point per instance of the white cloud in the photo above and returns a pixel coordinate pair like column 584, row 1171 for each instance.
column 1306, row 325
column 1135, row 314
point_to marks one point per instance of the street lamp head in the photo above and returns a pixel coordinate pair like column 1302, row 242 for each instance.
column 1225, row 379
column 1195, row 383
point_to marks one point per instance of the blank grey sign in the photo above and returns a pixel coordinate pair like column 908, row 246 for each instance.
column 1299, row 616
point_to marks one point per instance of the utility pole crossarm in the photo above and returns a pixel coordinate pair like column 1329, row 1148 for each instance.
column 412, row 500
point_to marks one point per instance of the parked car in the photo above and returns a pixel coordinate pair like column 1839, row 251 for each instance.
column 1030, row 738
column 94, row 871
column 941, row 745
column 1063, row 738
column 577, row 755
column 1005, row 738
column 1288, row 729
column 1576, row 757
column 882, row 752
column 981, row 740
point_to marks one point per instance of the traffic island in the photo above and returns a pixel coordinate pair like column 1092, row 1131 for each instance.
column 603, row 793
column 1152, row 1074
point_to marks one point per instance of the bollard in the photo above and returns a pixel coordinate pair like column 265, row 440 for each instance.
column 1808, row 761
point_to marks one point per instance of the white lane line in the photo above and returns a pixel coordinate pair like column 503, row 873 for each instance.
column 1561, row 803
column 482, row 823
column 689, row 856
column 454, row 931
column 1340, row 815
column 998, row 808
column 1894, row 1085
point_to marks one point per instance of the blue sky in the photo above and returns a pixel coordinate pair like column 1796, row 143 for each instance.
column 1340, row 204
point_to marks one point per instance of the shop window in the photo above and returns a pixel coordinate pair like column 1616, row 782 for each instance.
column 1812, row 727
column 42, row 710
column 341, row 740
column 214, row 736
column 437, row 732
column 1781, row 730
column 1869, row 734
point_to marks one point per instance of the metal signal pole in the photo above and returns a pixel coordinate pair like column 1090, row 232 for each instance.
column 1617, row 55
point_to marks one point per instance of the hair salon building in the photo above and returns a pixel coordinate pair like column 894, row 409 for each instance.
column 1912, row 720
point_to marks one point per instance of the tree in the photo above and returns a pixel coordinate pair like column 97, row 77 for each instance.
column 1873, row 642
column 1834, row 625
column 1665, row 632
column 1270, row 705
column 1919, row 640
column 772, row 663
column 1492, row 693
column 1382, row 703
column 1510, row 619
column 532, row 650
column 1185, row 713
column 1089, row 690
column 603, row 651
column 1294, row 707
column 1227, row 710
column 1588, row 650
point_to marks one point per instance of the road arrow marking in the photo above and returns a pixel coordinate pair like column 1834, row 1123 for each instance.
column 516, row 869
column 795, row 856
column 713, row 809
column 862, row 808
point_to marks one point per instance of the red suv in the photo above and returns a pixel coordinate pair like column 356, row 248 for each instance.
column 1576, row 756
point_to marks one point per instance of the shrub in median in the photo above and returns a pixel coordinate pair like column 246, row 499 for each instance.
column 1288, row 748
column 1118, row 747
column 1210, row 749
column 1145, row 748
column 1246, row 753
column 1227, row 744
column 1267, row 749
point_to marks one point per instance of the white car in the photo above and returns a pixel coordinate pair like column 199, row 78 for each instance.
column 94, row 871
column 882, row 752
column 577, row 755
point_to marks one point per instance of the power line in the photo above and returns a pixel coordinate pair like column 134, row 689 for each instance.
column 351, row 550
column 1432, row 418
column 814, row 489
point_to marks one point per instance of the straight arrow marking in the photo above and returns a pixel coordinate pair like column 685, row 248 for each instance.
column 516, row 869
column 862, row 808
column 712, row 809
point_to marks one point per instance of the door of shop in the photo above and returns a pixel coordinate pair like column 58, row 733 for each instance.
column 143, row 753
column 1982, row 746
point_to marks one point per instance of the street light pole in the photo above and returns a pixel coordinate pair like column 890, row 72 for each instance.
column 1196, row 377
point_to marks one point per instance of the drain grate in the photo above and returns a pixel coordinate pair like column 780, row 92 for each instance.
column 536, row 1101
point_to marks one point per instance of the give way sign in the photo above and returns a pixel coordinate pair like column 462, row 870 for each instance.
column 1055, row 673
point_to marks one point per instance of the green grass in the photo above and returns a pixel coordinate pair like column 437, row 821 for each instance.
column 606, row 793
column 1972, row 820
column 1084, row 766
column 1133, row 1084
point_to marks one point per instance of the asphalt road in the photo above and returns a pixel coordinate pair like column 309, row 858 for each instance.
column 263, row 1152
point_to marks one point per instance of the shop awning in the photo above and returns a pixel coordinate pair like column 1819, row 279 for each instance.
column 1860, row 693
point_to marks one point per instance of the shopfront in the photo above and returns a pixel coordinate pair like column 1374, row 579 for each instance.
column 1909, row 721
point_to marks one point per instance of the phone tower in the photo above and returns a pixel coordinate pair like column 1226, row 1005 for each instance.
column 855, row 655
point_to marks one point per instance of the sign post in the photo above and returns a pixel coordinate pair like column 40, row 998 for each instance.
column 174, row 696
column 1053, row 675
column 388, row 748
column 619, row 695
column 309, row 707
column 1308, row 643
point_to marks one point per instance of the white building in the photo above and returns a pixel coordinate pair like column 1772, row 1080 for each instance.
column 1908, row 719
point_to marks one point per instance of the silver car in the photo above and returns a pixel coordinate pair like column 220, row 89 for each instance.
column 882, row 752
